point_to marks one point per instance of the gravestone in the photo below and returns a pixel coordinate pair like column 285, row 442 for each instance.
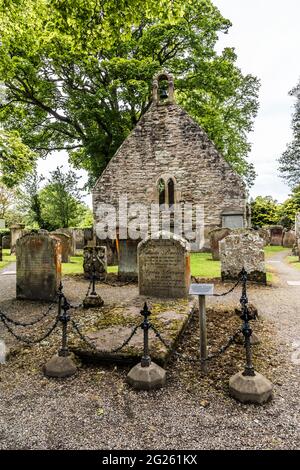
column 215, row 237
column 88, row 235
column 65, row 241
column 2, row 223
column 243, row 249
column 16, row 231
column 276, row 234
column 264, row 233
column 128, row 265
column 38, row 266
column 79, row 238
column 164, row 266
column 72, row 241
column 289, row 239
column 6, row 242
column 98, row 253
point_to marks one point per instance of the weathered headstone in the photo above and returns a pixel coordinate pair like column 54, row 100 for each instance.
column 72, row 241
column 38, row 267
column 78, row 235
column 88, row 235
column 128, row 266
column 6, row 242
column 215, row 237
column 65, row 245
column 289, row 239
column 164, row 266
column 276, row 234
column 2, row 223
column 98, row 254
column 16, row 231
column 264, row 233
column 243, row 249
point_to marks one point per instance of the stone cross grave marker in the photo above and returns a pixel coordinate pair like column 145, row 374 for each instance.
column 164, row 266
column 38, row 266
column 98, row 254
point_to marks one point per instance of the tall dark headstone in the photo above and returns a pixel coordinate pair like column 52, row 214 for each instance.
column 38, row 266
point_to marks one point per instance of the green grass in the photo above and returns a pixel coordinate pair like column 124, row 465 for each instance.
column 202, row 264
column 6, row 258
column 74, row 267
column 270, row 250
column 294, row 261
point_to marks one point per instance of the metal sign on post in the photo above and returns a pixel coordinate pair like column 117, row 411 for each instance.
column 202, row 290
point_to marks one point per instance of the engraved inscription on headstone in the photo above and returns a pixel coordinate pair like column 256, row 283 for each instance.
column 38, row 266
column 164, row 267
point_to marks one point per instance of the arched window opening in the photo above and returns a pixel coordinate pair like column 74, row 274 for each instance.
column 163, row 87
column 161, row 192
column 171, row 192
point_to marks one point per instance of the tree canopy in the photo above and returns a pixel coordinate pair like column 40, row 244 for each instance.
column 264, row 211
column 77, row 76
column 290, row 160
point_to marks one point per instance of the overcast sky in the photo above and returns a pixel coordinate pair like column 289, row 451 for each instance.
column 266, row 36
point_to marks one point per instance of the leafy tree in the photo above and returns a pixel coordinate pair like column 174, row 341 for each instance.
column 290, row 160
column 264, row 211
column 60, row 200
column 30, row 200
column 16, row 159
column 7, row 198
column 77, row 75
column 289, row 208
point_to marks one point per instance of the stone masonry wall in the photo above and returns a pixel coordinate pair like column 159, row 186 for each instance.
column 167, row 142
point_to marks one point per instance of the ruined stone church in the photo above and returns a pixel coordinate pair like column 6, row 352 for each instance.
column 168, row 159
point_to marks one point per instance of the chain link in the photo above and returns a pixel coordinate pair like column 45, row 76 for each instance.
column 34, row 322
column 26, row 340
column 229, row 291
column 222, row 350
column 91, row 345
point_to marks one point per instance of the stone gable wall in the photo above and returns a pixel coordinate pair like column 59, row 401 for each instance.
column 168, row 142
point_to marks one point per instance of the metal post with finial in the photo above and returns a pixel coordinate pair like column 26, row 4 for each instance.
column 246, row 330
column 249, row 386
column 146, row 359
column 146, row 375
column 61, row 364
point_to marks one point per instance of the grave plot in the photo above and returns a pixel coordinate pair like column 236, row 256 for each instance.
column 164, row 276
column 107, row 329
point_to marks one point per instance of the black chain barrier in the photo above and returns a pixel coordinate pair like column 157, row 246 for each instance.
column 32, row 323
column 92, row 346
column 229, row 291
column 23, row 339
column 64, row 318
column 212, row 356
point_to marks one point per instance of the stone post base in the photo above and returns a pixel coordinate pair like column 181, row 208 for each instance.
column 93, row 301
column 250, row 389
column 60, row 366
column 147, row 378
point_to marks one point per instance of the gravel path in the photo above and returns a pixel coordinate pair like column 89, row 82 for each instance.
column 95, row 409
